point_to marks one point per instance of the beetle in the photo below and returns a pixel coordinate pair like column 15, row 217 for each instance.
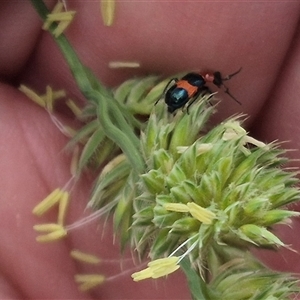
column 189, row 87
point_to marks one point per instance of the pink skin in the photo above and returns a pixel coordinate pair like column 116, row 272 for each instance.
column 164, row 37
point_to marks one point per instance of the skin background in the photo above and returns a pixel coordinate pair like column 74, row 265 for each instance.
column 165, row 37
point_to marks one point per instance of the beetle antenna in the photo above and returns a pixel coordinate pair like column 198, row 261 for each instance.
column 231, row 75
column 219, row 82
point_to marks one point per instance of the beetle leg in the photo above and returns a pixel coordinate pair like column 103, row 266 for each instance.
column 228, row 93
column 192, row 101
column 167, row 86
column 165, row 89
column 204, row 90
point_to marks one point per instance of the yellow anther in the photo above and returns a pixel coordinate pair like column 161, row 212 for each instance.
column 63, row 18
column 61, row 27
column 88, row 281
column 141, row 275
column 50, row 227
column 123, row 64
column 85, row 257
column 62, row 208
column 74, row 161
column 32, row 95
column 74, row 108
column 52, row 236
column 57, row 8
column 55, row 95
column 49, row 98
column 160, row 272
column 55, row 230
column 45, row 100
column 163, row 262
column 107, row 11
column 158, row 268
column 202, row 214
column 48, row 202
column 178, row 207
